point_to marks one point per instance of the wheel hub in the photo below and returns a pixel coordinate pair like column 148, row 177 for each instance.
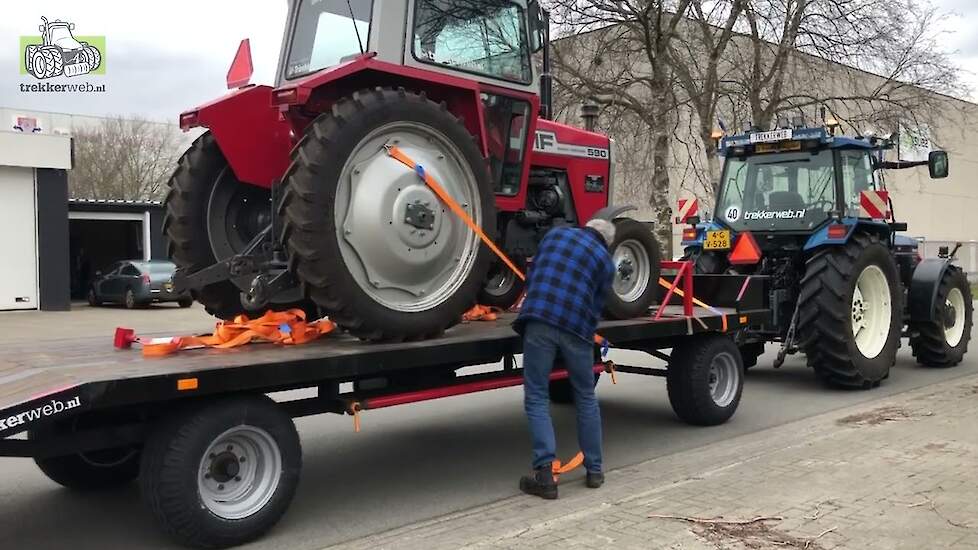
column 395, row 236
column 871, row 311
column 239, row 472
column 723, row 379
column 633, row 268
column 949, row 314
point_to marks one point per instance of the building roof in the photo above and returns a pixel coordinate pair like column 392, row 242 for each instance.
column 113, row 205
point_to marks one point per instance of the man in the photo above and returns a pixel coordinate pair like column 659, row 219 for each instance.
column 565, row 291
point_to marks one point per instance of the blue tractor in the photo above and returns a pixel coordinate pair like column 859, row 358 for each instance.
column 809, row 210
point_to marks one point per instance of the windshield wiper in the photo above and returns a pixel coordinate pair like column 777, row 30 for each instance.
column 353, row 19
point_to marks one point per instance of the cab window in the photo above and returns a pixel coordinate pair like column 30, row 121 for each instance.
column 480, row 37
column 857, row 176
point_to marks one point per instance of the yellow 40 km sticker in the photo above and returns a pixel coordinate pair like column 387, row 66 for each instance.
column 717, row 240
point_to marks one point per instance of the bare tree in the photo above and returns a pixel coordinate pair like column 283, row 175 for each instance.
column 127, row 159
column 804, row 54
column 616, row 53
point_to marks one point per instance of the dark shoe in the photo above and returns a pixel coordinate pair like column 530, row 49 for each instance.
column 595, row 479
column 540, row 484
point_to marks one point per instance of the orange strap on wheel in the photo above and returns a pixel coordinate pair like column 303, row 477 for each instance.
column 399, row 156
column 278, row 327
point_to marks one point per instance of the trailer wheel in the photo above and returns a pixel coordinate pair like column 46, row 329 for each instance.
column 371, row 243
column 849, row 312
column 89, row 471
column 221, row 474
column 943, row 343
column 637, row 266
column 705, row 379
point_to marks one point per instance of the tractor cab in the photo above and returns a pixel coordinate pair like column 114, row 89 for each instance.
column 787, row 186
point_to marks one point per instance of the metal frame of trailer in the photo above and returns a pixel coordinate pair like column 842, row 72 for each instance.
column 82, row 399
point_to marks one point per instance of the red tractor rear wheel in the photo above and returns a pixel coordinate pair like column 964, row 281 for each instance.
column 211, row 216
column 371, row 243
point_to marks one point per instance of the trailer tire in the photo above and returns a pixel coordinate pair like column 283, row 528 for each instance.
column 829, row 307
column 637, row 260
column 90, row 471
column 193, row 458
column 934, row 343
column 705, row 379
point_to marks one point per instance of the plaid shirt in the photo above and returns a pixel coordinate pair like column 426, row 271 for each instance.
column 568, row 279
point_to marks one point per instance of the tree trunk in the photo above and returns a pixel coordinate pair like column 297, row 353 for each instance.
column 659, row 194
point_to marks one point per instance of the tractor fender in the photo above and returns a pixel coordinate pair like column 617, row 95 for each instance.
column 612, row 212
column 821, row 236
column 924, row 286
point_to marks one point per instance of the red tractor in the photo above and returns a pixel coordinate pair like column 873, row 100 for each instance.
column 291, row 199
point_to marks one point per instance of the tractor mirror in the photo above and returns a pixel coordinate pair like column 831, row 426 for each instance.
column 937, row 164
column 538, row 34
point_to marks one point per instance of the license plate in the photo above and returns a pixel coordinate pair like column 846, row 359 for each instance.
column 773, row 135
column 717, row 240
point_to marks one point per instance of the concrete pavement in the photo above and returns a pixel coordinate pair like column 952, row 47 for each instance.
column 896, row 473
column 410, row 463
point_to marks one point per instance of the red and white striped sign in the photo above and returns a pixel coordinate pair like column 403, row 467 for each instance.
column 874, row 204
column 687, row 209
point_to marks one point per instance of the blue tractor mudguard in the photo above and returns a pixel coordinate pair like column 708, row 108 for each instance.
column 924, row 286
column 822, row 238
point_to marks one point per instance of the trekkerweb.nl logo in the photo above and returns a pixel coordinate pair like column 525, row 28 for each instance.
column 57, row 52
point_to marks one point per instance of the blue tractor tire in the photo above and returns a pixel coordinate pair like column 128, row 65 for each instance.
column 848, row 289
column 943, row 341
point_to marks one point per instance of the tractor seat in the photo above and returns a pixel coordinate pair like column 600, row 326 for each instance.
column 785, row 200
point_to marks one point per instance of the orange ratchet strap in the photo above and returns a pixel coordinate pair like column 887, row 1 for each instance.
column 399, row 156
column 278, row 327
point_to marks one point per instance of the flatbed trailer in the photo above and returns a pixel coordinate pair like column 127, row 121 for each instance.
column 219, row 461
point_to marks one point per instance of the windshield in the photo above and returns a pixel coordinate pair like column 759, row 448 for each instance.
column 326, row 33
column 159, row 267
column 485, row 37
column 785, row 191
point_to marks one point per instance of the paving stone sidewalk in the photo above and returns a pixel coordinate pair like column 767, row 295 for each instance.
column 900, row 472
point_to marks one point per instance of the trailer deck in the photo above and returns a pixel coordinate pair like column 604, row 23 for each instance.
column 102, row 376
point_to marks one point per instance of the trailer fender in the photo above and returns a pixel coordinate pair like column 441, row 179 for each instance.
column 923, row 288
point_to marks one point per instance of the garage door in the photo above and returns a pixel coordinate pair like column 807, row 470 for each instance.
column 18, row 239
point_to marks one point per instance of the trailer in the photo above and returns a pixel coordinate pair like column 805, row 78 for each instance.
column 218, row 460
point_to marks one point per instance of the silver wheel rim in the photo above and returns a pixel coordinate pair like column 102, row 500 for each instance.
column 404, row 248
column 954, row 333
column 871, row 311
column 239, row 472
column 632, row 269
column 724, row 377
column 130, row 299
column 501, row 282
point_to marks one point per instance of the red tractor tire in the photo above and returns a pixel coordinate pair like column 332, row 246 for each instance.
column 361, row 283
column 187, row 222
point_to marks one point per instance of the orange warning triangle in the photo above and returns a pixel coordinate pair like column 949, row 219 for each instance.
column 745, row 251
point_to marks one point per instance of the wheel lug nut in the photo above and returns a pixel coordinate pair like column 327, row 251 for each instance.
column 230, row 447
column 242, row 459
column 220, row 487
column 207, row 475
column 237, row 478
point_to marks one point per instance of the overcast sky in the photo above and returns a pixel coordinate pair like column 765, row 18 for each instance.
column 164, row 57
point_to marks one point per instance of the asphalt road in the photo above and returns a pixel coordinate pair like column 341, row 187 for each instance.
column 419, row 461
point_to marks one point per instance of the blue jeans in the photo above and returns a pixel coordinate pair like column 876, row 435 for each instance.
column 541, row 343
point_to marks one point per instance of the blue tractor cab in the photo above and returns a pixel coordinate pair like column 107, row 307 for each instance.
column 809, row 210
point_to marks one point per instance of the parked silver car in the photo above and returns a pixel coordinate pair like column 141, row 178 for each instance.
column 137, row 283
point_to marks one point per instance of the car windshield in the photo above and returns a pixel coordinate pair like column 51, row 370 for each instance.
column 780, row 191
column 326, row 32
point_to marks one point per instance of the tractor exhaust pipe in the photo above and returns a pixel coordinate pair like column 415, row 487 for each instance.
column 589, row 113
column 546, row 76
